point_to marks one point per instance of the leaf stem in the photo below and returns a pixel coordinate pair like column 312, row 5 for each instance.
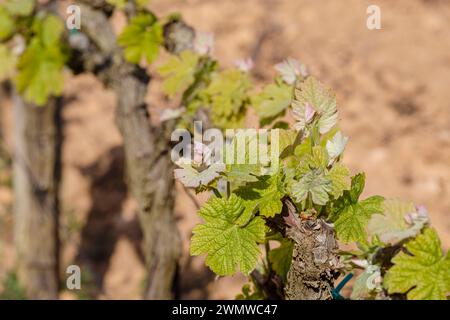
column 216, row 192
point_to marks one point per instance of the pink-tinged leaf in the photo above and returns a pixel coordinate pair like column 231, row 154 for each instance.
column 192, row 178
column 309, row 112
column 202, row 153
column 291, row 69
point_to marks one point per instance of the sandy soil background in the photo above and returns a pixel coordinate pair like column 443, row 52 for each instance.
column 393, row 89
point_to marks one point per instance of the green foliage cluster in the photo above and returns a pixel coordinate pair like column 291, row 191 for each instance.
column 238, row 219
column 31, row 50
column 34, row 47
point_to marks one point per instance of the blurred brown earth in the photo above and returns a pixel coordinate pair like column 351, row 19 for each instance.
column 393, row 89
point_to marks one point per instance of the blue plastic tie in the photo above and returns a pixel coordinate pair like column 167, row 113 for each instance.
column 336, row 292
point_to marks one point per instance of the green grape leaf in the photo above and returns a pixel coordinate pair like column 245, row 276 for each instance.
column 227, row 244
column 392, row 226
column 266, row 194
column 287, row 140
column 312, row 183
column 352, row 220
column 40, row 67
column 6, row 24
column 351, row 216
column 322, row 100
column 303, row 149
column 319, row 158
column 339, row 175
column 227, row 95
column 357, row 187
column 179, row 72
column 142, row 38
column 49, row 30
column 315, row 158
column 281, row 257
column 239, row 174
column 40, row 73
column 7, row 62
column 273, row 100
column 424, row 273
column 19, row 7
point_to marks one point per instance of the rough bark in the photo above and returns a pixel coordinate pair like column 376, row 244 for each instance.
column 150, row 173
column 147, row 155
column 314, row 260
column 36, row 180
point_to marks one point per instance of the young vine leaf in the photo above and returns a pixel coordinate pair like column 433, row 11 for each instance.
column 227, row 95
column 423, row 272
column 40, row 66
column 266, row 194
column 353, row 215
column 229, row 241
column 339, row 175
column 273, row 100
column 142, row 38
column 290, row 70
column 240, row 174
column 311, row 94
column 6, row 24
column 193, row 178
column 179, row 72
column 315, row 184
column 280, row 258
column 393, row 226
column 315, row 179
column 336, row 146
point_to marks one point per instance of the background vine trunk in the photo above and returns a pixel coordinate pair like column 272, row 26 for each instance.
column 151, row 182
column 147, row 153
column 36, row 164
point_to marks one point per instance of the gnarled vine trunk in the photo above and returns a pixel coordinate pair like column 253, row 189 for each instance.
column 36, row 180
column 314, row 259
